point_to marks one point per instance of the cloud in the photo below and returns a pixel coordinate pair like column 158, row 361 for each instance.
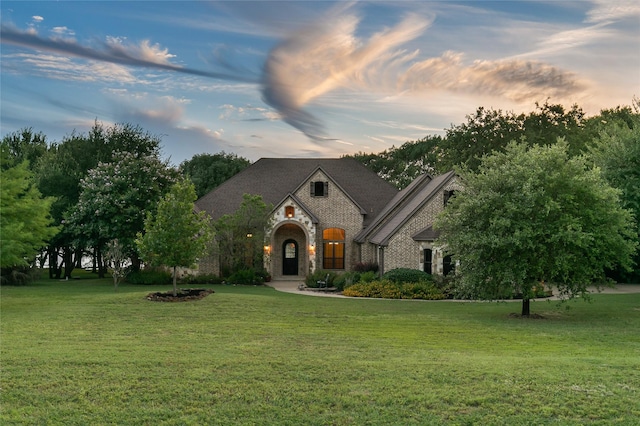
column 37, row 18
column 63, row 32
column 608, row 10
column 63, row 68
column 322, row 57
column 518, row 80
column 327, row 55
column 113, row 51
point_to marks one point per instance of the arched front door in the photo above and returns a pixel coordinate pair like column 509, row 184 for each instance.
column 290, row 257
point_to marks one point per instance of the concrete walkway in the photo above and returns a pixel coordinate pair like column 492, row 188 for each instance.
column 292, row 286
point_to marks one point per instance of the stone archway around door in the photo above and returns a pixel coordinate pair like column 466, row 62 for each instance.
column 290, row 256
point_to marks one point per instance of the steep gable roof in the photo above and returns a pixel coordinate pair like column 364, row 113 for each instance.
column 274, row 178
column 403, row 207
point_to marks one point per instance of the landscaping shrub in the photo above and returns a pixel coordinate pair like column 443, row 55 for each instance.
column 320, row 275
column 422, row 290
column 149, row 277
column 346, row 280
column 366, row 267
column 19, row 275
column 368, row 276
column 448, row 285
column 202, row 279
column 386, row 289
column 245, row 276
column 406, row 275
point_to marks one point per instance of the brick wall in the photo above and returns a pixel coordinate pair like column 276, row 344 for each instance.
column 334, row 211
column 402, row 251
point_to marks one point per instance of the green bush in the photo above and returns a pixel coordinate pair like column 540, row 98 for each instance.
column 19, row 275
column 422, row 290
column 368, row 276
column 346, row 280
column 245, row 276
column 386, row 289
column 406, row 275
column 149, row 277
column 366, row 267
column 202, row 279
column 448, row 286
column 383, row 289
column 320, row 275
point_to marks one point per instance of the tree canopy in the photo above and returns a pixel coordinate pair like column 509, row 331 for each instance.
column 115, row 198
column 241, row 237
column 25, row 218
column 616, row 150
column 207, row 171
column 535, row 215
column 175, row 236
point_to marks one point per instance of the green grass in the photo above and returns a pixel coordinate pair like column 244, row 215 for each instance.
column 78, row 353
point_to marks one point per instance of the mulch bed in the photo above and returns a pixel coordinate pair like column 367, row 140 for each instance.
column 183, row 295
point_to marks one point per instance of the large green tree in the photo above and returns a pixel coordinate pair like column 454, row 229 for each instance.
column 62, row 167
column 401, row 165
column 533, row 215
column 25, row 220
column 240, row 237
column 207, row 171
column 616, row 150
column 25, row 145
column 489, row 130
column 115, row 198
column 175, row 236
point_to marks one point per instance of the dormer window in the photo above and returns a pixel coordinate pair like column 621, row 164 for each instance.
column 319, row 189
column 289, row 212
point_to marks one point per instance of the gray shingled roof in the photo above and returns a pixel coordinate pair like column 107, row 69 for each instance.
column 407, row 202
column 274, row 178
column 427, row 234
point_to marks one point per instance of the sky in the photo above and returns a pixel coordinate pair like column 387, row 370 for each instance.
column 305, row 79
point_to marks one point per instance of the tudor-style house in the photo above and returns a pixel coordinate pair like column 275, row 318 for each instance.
column 333, row 213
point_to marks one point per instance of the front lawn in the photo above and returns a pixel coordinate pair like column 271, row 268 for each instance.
column 78, row 353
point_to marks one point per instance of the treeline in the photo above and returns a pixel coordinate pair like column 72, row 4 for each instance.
column 75, row 196
column 489, row 130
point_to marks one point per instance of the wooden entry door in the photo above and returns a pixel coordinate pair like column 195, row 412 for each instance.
column 290, row 257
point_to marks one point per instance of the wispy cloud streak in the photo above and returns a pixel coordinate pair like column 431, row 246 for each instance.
column 327, row 55
column 322, row 57
column 112, row 51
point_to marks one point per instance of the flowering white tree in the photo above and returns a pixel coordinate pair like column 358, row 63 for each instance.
column 115, row 198
column 117, row 259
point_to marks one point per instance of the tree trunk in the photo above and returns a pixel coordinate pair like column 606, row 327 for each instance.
column 101, row 266
column 79, row 254
column 175, row 278
column 94, row 262
column 68, row 262
column 135, row 262
column 525, row 307
column 53, row 261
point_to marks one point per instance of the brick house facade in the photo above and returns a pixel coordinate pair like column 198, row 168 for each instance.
column 333, row 213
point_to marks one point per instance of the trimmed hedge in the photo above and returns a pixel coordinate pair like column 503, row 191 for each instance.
column 406, row 275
